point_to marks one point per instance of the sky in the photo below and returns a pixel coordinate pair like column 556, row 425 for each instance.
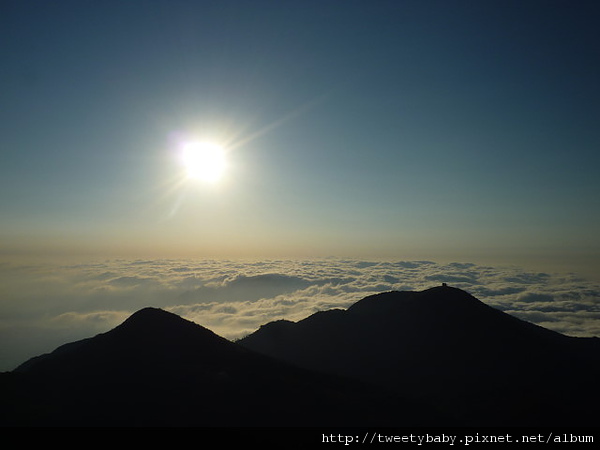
column 447, row 131
column 364, row 128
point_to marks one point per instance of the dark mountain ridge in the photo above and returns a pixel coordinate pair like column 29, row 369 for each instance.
column 157, row 369
column 435, row 357
column 444, row 346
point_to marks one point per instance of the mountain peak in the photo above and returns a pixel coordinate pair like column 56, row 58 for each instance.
column 143, row 338
column 157, row 368
column 443, row 343
column 155, row 322
column 150, row 311
column 150, row 316
column 439, row 298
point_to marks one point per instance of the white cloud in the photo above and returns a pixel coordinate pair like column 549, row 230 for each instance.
column 45, row 306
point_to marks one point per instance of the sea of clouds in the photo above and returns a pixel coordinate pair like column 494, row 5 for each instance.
column 44, row 306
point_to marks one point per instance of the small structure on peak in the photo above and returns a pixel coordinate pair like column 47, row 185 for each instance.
column 444, row 285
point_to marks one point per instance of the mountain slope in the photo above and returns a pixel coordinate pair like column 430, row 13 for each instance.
column 157, row 369
column 444, row 346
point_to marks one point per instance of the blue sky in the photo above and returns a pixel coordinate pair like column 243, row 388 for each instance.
column 394, row 129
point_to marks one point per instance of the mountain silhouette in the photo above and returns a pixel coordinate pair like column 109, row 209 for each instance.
column 429, row 358
column 443, row 346
column 158, row 369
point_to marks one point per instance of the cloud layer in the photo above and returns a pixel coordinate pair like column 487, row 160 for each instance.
column 45, row 306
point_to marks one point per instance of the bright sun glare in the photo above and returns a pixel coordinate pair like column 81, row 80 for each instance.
column 204, row 161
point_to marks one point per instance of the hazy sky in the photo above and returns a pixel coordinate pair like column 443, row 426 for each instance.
column 436, row 129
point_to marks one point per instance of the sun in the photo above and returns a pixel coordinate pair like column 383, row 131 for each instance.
column 204, row 161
